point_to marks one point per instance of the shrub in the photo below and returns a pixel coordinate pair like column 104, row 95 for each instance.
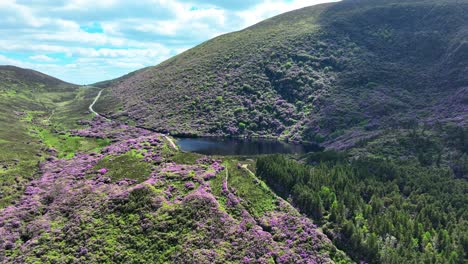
column 238, row 110
column 242, row 126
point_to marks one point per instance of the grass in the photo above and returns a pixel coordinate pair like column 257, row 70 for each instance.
column 33, row 117
column 129, row 165
column 108, row 104
column 19, row 150
column 259, row 199
column 69, row 112
column 67, row 146
column 188, row 158
column 217, row 187
column 13, row 180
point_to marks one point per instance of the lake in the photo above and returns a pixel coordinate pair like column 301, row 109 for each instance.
column 235, row 146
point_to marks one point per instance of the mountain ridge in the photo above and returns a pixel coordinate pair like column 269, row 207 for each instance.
column 307, row 75
column 17, row 77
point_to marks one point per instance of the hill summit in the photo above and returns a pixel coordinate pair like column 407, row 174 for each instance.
column 13, row 77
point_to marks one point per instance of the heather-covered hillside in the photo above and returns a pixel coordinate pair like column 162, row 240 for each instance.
column 90, row 174
column 74, row 189
column 139, row 200
column 33, row 108
column 338, row 74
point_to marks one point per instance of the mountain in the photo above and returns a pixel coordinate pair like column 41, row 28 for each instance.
column 107, row 192
column 384, row 80
column 12, row 77
column 338, row 74
column 79, row 188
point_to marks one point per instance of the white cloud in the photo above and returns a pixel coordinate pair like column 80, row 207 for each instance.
column 270, row 8
column 7, row 61
column 50, row 36
column 44, row 58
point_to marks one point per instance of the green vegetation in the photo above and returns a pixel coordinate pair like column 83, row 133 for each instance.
column 345, row 75
column 69, row 112
column 117, row 235
column 375, row 209
column 339, row 74
column 259, row 200
column 126, row 166
column 67, row 146
column 35, row 109
column 186, row 157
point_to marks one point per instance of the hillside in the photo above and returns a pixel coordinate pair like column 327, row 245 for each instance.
column 382, row 85
column 101, row 191
column 78, row 189
column 33, row 108
column 16, row 78
column 338, row 74
column 138, row 200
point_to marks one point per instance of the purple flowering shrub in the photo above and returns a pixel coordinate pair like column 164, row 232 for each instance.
column 81, row 211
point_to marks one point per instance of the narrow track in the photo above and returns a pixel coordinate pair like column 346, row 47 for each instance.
column 94, row 102
column 171, row 142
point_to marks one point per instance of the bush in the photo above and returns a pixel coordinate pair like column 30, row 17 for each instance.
column 242, row 126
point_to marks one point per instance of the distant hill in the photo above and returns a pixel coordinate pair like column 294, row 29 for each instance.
column 335, row 74
column 12, row 77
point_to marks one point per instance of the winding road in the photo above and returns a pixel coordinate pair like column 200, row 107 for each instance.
column 94, row 102
column 171, row 142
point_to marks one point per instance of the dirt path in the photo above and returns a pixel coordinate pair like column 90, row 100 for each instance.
column 171, row 142
column 264, row 186
column 245, row 167
column 53, row 112
column 94, row 102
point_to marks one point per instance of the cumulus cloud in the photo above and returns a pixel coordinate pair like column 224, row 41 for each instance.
column 229, row 4
column 44, row 58
column 85, row 41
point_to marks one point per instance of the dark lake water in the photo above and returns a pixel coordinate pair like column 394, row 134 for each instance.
column 234, row 146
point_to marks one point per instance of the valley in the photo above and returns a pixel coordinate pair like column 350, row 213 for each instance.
column 133, row 177
column 335, row 133
column 119, row 178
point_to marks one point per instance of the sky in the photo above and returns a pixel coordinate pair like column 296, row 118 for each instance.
column 86, row 41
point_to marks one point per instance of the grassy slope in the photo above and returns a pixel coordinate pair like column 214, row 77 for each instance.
column 115, row 230
column 34, row 108
column 328, row 73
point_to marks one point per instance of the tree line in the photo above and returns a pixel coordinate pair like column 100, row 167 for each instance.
column 377, row 210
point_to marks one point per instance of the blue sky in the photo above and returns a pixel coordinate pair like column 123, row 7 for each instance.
column 86, row 41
